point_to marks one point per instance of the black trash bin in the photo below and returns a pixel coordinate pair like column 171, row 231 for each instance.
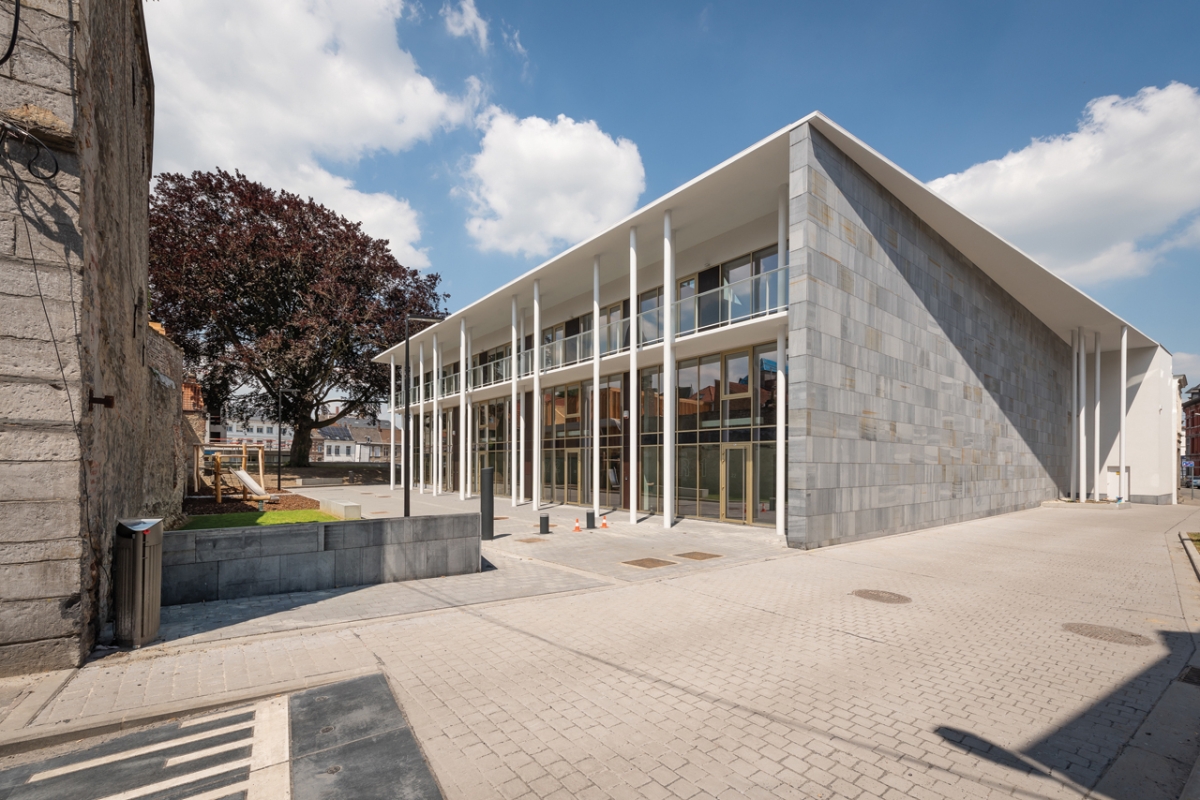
column 137, row 581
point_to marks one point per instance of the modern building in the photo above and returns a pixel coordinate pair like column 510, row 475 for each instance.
column 932, row 371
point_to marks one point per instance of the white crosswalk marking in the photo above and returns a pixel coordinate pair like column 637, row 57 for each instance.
column 205, row 753
column 270, row 771
column 171, row 783
column 141, row 751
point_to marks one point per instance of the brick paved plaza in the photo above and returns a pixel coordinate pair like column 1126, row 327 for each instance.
column 566, row 673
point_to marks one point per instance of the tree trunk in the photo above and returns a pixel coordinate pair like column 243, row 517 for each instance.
column 301, row 446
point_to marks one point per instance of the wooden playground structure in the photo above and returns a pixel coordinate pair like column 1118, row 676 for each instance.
column 226, row 468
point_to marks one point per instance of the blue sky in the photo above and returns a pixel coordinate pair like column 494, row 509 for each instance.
column 439, row 124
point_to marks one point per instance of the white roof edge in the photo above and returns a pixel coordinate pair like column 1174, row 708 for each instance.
column 860, row 152
column 647, row 208
column 907, row 188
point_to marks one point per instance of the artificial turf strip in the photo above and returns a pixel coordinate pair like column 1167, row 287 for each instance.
column 246, row 519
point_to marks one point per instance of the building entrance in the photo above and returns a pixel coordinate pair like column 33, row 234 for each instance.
column 736, row 466
column 563, row 476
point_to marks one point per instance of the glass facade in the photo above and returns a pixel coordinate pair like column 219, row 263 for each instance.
column 725, row 418
column 492, row 443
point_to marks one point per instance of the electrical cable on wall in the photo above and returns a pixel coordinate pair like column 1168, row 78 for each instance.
column 12, row 42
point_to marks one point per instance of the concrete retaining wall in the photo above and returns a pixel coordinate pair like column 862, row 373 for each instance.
column 220, row 564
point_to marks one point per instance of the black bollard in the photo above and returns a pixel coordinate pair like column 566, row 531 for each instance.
column 487, row 504
column 591, row 520
column 544, row 523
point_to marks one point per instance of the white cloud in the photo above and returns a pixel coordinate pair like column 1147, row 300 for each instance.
column 465, row 21
column 276, row 88
column 1104, row 202
column 537, row 183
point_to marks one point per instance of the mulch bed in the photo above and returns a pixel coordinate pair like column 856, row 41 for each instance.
column 286, row 502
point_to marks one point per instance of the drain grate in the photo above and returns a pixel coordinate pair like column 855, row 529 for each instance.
column 648, row 563
column 880, row 596
column 552, row 525
column 531, row 540
column 1191, row 675
column 499, row 517
column 1104, row 633
column 696, row 555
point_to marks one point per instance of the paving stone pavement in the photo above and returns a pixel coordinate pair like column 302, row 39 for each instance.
column 763, row 675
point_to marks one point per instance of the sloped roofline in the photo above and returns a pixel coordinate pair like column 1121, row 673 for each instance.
column 1060, row 305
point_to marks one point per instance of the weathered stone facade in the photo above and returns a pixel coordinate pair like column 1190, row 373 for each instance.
column 920, row 392
column 73, row 324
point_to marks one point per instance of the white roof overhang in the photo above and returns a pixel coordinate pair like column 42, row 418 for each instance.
column 732, row 193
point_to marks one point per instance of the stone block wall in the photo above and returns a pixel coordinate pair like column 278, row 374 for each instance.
column 919, row 392
column 73, row 320
column 206, row 565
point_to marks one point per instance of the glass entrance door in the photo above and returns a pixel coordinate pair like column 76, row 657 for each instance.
column 735, row 484
column 572, row 476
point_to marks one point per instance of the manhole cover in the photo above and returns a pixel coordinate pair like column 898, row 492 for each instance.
column 531, row 540
column 697, row 556
column 1191, row 675
column 880, row 596
column 648, row 563
column 1107, row 634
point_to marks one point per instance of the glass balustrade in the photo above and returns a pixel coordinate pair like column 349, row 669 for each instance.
column 491, row 373
column 745, row 299
column 614, row 337
column 525, row 363
column 568, row 351
column 449, row 385
column 650, row 326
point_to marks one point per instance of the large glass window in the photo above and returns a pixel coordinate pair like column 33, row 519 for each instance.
column 650, row 323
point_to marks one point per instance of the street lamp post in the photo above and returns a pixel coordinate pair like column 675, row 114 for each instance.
column 406, row 452
column 279, row 392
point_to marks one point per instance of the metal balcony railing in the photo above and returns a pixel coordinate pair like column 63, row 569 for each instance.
column 752, row 297
column 568, row 351
column 614, row 337
column 491, row 373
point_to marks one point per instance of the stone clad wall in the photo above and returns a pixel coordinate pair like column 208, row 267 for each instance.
column 73, row 314
column 920, row 393
column 205, row 565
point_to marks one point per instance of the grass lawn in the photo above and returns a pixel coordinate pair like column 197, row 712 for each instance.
column 248, row 518
column 1195, row 537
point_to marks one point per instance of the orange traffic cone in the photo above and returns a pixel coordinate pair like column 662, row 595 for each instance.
column 604, row 521
column 577, row 524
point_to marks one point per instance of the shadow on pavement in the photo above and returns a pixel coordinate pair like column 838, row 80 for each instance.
column 1085, row 748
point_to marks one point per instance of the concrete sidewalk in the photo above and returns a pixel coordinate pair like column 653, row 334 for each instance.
column 1031, row 659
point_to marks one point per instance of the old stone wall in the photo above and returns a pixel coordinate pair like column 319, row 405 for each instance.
column 920, row 392
column 73, row 286
column 165, row 464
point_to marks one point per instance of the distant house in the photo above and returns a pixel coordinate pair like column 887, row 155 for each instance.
column 370, row 444
column 337, row 443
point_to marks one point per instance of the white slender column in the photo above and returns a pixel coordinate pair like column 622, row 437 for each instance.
column 392, row 417
column 462, row 409
column 1083, row 493
column 1097, row 467
column 421, row 417
column 512, row 409
column 668, row 371
column 1074, row 416
column 781, row 391
column 631, row 425
column 536, row 493
column 437, row 443
column 471, row 427
column 596, row 386
column 1122, row 478
column 521, row 415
